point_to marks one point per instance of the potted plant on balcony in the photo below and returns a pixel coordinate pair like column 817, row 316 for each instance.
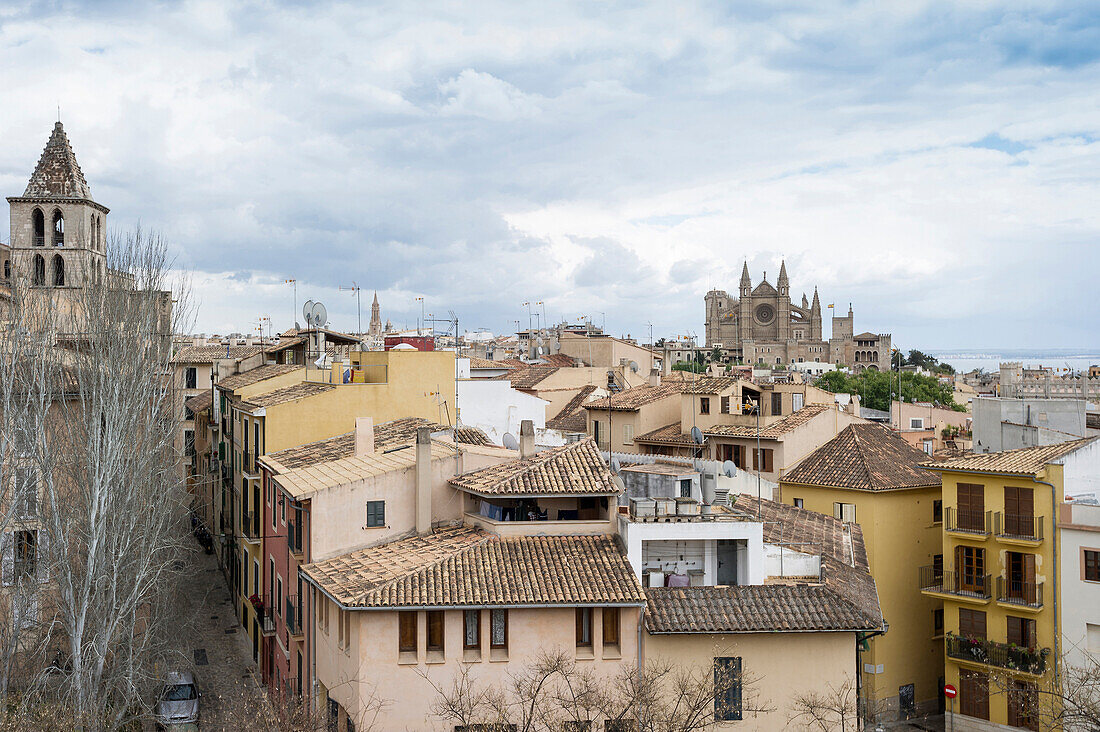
column 257, row 603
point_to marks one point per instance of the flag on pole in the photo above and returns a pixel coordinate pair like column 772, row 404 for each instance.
column 830, row 304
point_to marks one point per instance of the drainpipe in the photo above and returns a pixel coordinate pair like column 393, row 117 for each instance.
column 1054, row 551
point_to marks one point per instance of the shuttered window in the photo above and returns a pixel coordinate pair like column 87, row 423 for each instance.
column 471, row 629
column 974, row 694
column 1019, row 511
column 845, row 512
column 498, row 629
column 1021, row 631
column 971, row 623
column 611, row 626
column 376, row 513
column 727, row 688
column 406, row 622
column 970, row 568
column 725, row 405
column 435, row 630
column 777, row 403
column 584, row 627
column 971, row 506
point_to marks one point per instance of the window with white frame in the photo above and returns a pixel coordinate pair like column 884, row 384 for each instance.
column 916, row 423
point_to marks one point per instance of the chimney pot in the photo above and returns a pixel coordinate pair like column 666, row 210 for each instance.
column 526, row 439
column 655, row 376
column 364, row 436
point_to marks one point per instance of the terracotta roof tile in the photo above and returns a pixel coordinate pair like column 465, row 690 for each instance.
column 573, row 469
column 573, row 417
column 386, row 435
column 670, row 434
column 709, row 384
column 864, row 457
column 199, row 402
column 773, row 431
column 298, row 391
column 304, row 481
column 256, row 375
column 471, row 436
column 633, row 399
column 463, row 566
column 209, row 354
column 484, row 363
column 559, row 359
column 1025, row 461
column 528, row 377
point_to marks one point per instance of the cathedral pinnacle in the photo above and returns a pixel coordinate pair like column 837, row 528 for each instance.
column 57, row 172
column 783, row 272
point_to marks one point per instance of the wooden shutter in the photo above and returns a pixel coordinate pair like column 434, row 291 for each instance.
column 1021, row 631
column 974, row 693
column 406, row 620
column 972, row 623
column 755, row 459
column 435, row 630
column 727, row 688
column 971, row 506
column 611, row 626
column 725, row 405
column 768, row 464
column 471, row 630
column 777, row 403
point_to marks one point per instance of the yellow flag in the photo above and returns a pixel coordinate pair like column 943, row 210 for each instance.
column 830, row 304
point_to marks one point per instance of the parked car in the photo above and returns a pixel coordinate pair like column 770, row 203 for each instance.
column 178, row 704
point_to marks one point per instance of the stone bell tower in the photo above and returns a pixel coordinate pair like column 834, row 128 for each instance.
column 58, row 233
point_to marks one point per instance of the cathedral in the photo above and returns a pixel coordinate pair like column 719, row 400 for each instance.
column 763, row 324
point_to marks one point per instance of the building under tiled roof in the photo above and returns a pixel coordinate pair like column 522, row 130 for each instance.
column 386, row 435
column 709, row 384
column 1024, row 461
column 466, row 567
column 256, row 375
column 865, row 457
column 199, row 402
column 773, row 431
column 573, row 469
column 301, row 390
column 484, row 363
column 209, row 354
column 573, row 417
column 633, row 399
column 823, row 534
column 471, row 436
column 527, row 378
column 670, row 434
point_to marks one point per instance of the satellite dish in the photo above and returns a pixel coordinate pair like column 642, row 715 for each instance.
column 729, row 468
column 320, row 315
column 615, row 467
column 510, row 441
column 307, row 312
column 618, row 483
column 297, row 326
column 697, row 435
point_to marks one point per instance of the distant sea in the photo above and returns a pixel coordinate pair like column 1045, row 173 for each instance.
column 991, row 359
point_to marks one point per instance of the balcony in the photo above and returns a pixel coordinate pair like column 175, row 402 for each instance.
column 294, row 538
column 250, row 526
column 1001, row 655
column 266, row 613
column 248, row 458
column 963, row 521
column 294, row 617
column 936, row 581
column 1011, row 527
column 1018, row 592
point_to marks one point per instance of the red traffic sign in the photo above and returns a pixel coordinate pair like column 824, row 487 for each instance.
column 949, row 691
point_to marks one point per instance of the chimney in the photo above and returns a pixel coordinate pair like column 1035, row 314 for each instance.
column 654, row 376
column 526, row 439
column 423, row 480
column 364, row 436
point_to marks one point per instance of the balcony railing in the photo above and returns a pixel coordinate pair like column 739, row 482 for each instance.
column 1001, row 655
column 249, row 462
column 294, row 537
column 250, row 525
column 967, row 521
column 933, row 579
column 1018, row 592
column 293, row 616
column 267, row 617
column 1012, row 526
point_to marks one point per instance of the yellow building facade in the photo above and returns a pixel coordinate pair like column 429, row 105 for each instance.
column 870, row 476
column 997, row 577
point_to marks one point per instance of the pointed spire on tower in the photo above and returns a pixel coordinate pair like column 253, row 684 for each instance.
column 57, row 172
column 783, row 272
column 817, row 301
column 745, row 279
column 805, row 302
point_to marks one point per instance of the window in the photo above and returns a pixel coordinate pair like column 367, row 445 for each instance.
column 797, row 400
column 916, row 423
column 58, row 229
column 1090, row 565
column 39, row 227
column 704, row 405
column 279, row 594
column 406, row 631
column 584, row 627
column 191, row 378
column 628, row 434
column 797, row 502
column 974, row 694
column 1021, row 631
column 1020, row 576
column 927, row 446
column 937, row 622
column 58, row 271
column 345, row 629
column 471, row 630
column 189, row 443
column 685, row 488
column 39, row 276
column 498, row 629
column 971, row 623
column 725, row 405
column 777, row 403
column 971, row 507
column 937, row 566
column 435, row 630
column 762, row 459
column 611, row 626
column 26, row 492
column 1023, row 698
column 376, row 513
column 970, row 566
column 727, row 688
column 1019, row 511
column 845, row 512
column 937, row 511
column 26, row 555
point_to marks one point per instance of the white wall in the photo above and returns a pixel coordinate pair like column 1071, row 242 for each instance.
column 702, row 533
column 496, row 408
column 1080, row 599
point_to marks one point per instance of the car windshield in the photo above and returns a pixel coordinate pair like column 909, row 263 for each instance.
column 179, row 692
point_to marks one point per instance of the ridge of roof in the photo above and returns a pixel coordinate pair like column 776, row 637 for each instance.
column 639, row 396
column 575, row 468
column 1021, row 461
column 572, row 417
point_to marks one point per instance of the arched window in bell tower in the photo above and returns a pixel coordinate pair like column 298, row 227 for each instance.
column 58, row 228
column 7, row 269
column 39, row 228
column 58, row 271
column 39, row 276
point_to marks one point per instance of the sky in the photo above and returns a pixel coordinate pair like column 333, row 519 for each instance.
column 935, row 164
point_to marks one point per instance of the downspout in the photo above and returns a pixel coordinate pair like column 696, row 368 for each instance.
column 1054, row 550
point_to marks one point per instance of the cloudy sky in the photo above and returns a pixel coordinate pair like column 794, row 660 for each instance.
column 935, row 164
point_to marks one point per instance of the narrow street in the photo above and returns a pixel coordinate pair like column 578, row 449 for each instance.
column 215, row 647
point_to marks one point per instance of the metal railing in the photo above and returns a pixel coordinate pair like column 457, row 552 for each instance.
column 1019, row 592
column 967, row 521
column 933, row 579
column 250, row 525
column 267, row 617
column 1001, row 655
column 249, row 462
column 1013, row 526
column 293, row 615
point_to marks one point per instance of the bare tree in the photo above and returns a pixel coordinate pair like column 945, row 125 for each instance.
column 90, row 368
column 834, row 709
column 551, row 692
column 1068, row 700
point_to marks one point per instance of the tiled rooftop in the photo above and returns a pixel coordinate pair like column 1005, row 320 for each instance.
column 773, row 431
column 670, row 434
column 463, row 566
column 639, row 396
column 573, row 417
column 209, row 354
column 709, row 384
column 386, row 435
column 573, row 469
column 528, row 377
column 864, row 457
column 1025, row 461
column 200, row 402
column 471, row 436
column 292, row 393
column 484, row 363
column 256, row 375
